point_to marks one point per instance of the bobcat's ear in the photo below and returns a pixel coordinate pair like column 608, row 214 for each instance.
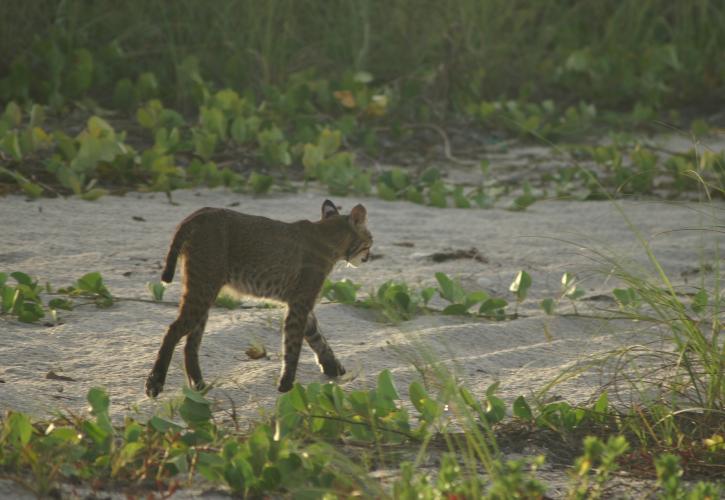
column 329, row 209
column 358, row 215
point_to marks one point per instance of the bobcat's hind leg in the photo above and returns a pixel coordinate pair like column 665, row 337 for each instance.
column 323, row 352
column 191, row 355
column 294, row 329
column 156, row 379
column 200, row 290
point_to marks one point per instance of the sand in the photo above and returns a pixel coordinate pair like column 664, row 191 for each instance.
column 126, row 238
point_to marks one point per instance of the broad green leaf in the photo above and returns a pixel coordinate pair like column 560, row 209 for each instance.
column 129, row 451
column 94, row 194
column 575, row 293
column 385, row 192
column 492, row 305
column 69, row 179
column 204, row 143
column 343, row 291
column 386, row 386
column 399, row 178
column 521, row 409
column 18, row 428
column 13, row 114
column 360, row 402
column 133, row 431
column 11, row 145
column 460, row 199
column 30, row 312
column 66, row 145
column 99, row 401
column 520, row 286
column 194, row 395
column 548, row 305
column 402, row 298
column 90, row 282
column 146, row 118
column 427, row 293
column 9, row 295
column 259, row 446
column 162, row 425
column 456, row 310
column 329, row 142
column 227, row 99
column 626, row 297
column 260, row 183
column 213, row 121
column 40, row 138
column 437, row 195
column 475, row 297
column 311, row 158
column 567, row 280
column 22, row 278
column 59, row 303
column 362, row 183
column 430, row 175
column 495, row 409
column 157, row 290
column 210, row 466
column 98, row 127
column 37, row 116
column 414, row 194
column 418, row 395
column 526, row 199
column 94, row 431
column 492, row 388
column 297, row 398
column 450, row 290
column 194, row 413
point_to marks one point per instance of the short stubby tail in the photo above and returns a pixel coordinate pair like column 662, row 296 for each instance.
column 168, row 274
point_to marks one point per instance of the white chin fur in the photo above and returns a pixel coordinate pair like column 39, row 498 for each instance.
column 355, row 261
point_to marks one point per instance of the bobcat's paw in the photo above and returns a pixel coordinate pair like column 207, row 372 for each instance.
column 333, row 369
column 285, row 384
column 154, row 385
column 200, row 386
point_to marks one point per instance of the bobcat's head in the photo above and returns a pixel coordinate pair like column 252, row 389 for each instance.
column 360, row 241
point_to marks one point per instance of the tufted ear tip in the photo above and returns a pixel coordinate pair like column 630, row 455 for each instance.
column 329, row 209
column 358, row 215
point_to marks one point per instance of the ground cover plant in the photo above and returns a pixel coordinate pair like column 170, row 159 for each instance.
column 295, row 449
column 246, row 116
column 381, row 99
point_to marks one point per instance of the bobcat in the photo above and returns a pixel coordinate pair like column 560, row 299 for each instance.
column 261, row 257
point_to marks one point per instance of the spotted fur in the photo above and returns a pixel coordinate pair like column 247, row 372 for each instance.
column 260, row 257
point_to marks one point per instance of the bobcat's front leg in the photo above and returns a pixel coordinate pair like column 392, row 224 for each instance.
column 294, row 328
column 325, row 357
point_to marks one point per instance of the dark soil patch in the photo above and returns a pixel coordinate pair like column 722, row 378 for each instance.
column 471, row 253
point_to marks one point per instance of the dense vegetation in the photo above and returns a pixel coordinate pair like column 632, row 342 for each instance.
column 252, row 95
column 100, row 97
column 435, row 56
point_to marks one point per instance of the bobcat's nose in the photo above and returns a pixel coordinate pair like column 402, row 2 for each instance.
column 366, row 257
